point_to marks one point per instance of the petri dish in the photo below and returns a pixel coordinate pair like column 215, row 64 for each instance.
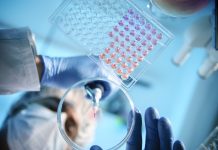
column 180, row 8
column 87, row 117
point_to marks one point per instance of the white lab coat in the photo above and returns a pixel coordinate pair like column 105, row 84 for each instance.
column 18, row 70
column 35, row 128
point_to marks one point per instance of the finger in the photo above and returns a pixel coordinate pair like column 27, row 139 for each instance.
column 152, row 137
column 165, row 134
column 135, row 140
column 95, row 147
column 178, row 145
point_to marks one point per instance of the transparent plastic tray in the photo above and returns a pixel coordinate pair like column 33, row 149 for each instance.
column 123, row 37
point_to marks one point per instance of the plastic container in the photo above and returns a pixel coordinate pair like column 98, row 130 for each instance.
column 122, row 36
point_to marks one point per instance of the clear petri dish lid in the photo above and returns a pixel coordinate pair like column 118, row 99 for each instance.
column 86, row 117
column 124, row 37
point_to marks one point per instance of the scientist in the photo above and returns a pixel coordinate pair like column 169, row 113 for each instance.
column 21, row 70
column 31, row 123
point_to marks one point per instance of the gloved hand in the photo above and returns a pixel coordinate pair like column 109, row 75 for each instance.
column 158, row 133
column 64, row 72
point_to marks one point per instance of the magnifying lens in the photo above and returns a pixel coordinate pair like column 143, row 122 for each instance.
column 88, row 121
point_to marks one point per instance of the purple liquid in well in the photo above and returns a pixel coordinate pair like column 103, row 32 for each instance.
column 142, row 22
column 138, row 38
column 144, row 43
column 116, row 28
column 121, row 33
column 131, row 22
column 137, row 27
column 121, row 23
column 148, row 37
column 133, row 43
column 122, row 44
column 137, row 17
column 125, row 17
column 142, row 32
column 132, row 32
column 127, row 38
column 126, row 28
column 130, row 11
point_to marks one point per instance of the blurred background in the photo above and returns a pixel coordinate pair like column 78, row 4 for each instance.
column 179, row 93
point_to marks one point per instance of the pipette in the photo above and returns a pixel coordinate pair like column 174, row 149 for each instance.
column 95, row 95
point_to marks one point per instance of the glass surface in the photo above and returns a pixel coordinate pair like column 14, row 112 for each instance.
column 179, row 7
column 85, row 118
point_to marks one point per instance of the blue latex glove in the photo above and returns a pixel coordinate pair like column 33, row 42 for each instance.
column 64, row 72
column 95, row 147
column 158, row 133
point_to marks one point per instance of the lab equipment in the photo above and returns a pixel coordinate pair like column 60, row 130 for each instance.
column 125, row 38
column 210, row 64
column 193, row 38
column 109, row 132
column 95, row 95
column 177, row 8
column 211, row 142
